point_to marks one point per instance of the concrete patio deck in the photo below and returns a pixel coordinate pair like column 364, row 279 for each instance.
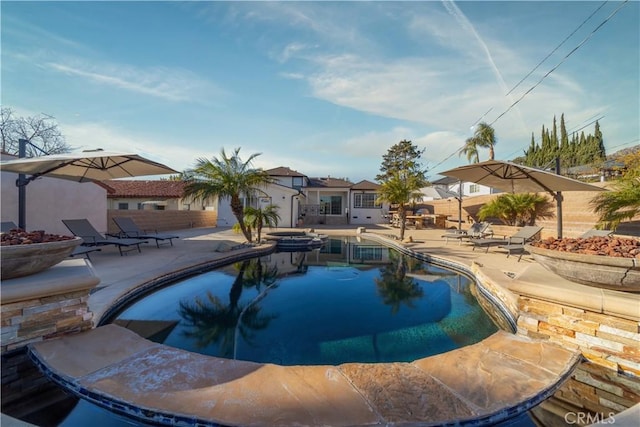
column 492, row 380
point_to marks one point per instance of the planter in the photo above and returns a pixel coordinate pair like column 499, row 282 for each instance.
column 24, row 260
column 621, row 274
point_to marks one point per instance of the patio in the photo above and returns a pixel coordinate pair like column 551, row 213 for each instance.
column 120, row 276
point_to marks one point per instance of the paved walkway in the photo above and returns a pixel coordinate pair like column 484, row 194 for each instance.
column 496, row 378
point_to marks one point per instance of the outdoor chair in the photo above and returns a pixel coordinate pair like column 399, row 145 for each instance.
column 92, row 237
column 7, row 226
column 130, row 229
column 477, row 230
column 512, row 244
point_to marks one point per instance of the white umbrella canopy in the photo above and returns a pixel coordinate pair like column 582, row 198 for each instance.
column 514, row 178
column 86, row 166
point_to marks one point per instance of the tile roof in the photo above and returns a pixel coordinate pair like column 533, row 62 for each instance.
column 365, row 185
column 283, row 171
column 329, row 183
column 138, row 188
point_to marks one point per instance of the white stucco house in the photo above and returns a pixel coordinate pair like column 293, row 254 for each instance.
column 469, row 189
column 303, row 201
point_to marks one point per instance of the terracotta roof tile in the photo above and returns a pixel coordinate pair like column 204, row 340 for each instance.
column 155, row 189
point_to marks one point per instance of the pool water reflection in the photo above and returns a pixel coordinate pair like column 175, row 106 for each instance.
column 349, row 301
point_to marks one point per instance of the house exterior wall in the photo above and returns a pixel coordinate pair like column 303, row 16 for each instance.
column 285, row 198
column 364, row 216
column 50, row 200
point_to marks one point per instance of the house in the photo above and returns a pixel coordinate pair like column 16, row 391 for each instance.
column 153, row 195
column 301, row 200
column 452, row 186
column 305, row 201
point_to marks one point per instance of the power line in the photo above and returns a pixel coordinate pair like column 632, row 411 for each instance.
column 561, row 62
column 547, row 74
column 557, row 47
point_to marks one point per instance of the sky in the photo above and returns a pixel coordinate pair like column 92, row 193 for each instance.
column 324, row 88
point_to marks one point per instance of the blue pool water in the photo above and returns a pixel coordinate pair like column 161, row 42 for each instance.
column 347, row 302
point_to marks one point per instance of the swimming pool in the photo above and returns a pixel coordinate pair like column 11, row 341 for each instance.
column 235, row 311
column 349, row 301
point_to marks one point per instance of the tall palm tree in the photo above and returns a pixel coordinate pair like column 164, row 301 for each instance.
column 256, row 218
column 483, row 137
column 470, row 149
column 401, row 189
column 227, row 177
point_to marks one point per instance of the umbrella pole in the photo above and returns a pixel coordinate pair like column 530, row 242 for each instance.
column 22, row 187
column 558, row 197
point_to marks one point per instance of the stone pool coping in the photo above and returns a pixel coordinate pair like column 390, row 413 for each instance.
column 498, row 378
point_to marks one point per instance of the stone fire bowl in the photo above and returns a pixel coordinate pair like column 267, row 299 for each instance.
column 621, row 274
column 23, row 260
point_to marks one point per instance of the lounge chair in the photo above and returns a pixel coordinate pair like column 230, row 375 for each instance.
column 7, row 226
column 130, row 229
column 92, row 237
column 513, row 243
column 477, row 230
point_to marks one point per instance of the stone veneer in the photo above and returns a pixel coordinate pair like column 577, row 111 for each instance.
column 35, row 308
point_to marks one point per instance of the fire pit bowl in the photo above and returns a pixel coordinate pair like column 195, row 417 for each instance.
column 26, row 259
column 618, row 273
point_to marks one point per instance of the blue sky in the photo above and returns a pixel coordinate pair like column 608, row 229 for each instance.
column 325, row 88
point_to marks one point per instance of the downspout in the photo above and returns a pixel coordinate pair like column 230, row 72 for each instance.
column 294, row 224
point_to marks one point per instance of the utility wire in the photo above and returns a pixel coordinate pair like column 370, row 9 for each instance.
column 557, row 47
column 561, row 62
column 546, row 75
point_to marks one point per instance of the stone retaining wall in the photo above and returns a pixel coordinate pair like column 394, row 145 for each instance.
column 35, row 308
column 612, row 342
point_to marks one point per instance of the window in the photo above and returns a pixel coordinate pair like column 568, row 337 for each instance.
column 123, row 206
column 365, row 200
column 330, row 205
column 365, row 253
column 297, row 182
column 474, row 188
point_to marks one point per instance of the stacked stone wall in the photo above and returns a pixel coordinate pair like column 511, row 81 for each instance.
column 29, row 320
column 593, row 393
column 606, row 340
column 37, row 319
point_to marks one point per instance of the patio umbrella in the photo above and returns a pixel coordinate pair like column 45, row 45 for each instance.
column 87, row 166
column 514, row 178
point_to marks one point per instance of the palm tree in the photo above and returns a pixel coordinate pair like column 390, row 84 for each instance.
column 229, row 177
column 518, row 209
column 623, row 203
column 470, row 149
column 256, row 218
column 483, row 137
column 401, row 190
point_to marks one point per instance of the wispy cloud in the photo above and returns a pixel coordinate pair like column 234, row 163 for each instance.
column 167, row 83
